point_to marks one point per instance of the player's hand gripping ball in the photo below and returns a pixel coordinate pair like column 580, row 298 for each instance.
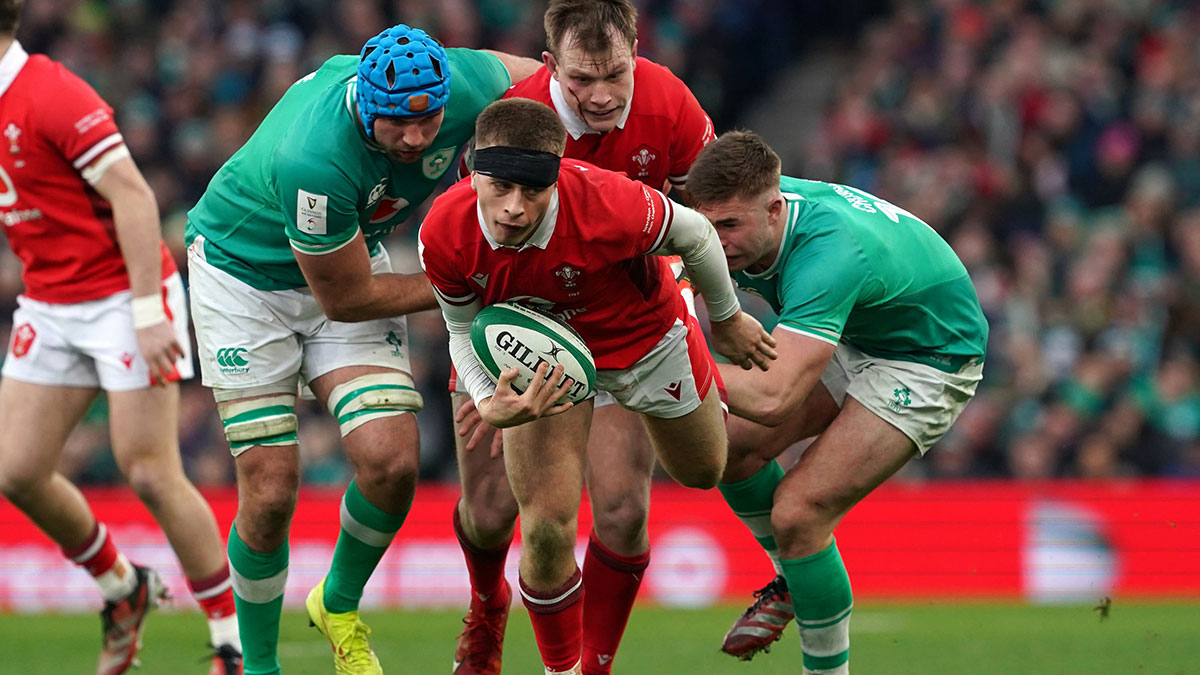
column 511, row 335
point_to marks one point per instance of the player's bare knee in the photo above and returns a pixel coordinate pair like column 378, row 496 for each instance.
column 621, row 522
column 270, row 509
column 152, row 482
column 490, row 519
column 393, row 473
column 16, row 485
column 547, row 545
column 803, row 518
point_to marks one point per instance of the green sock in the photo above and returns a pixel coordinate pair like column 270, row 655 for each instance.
column 751, row 501
column 823, row 601
column 366, row 533
column 258, row 584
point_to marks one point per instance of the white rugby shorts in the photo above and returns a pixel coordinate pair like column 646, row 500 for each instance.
column 248, row 338
column 90, row 344
column 919, row 400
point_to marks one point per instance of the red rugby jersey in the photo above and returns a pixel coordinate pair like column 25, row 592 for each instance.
column 587, row 263
column 55, row 127
column 663, row 132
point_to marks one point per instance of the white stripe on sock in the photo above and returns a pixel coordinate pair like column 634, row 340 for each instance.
column 367, row 535
column 551, row 601
column 258, row 591
column 101, row 537
column 829, row 641
column 214, row 591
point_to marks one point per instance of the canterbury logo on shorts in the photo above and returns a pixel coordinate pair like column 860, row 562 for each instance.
column 233, row 360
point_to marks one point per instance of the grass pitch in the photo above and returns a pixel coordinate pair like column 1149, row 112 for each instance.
column 896, row 639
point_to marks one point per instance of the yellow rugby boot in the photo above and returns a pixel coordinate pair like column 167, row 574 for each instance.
column 347, row 634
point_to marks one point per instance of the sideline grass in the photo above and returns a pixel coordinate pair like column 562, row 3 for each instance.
column 896, row 639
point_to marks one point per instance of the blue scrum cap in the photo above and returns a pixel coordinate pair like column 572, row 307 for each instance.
column 402, row 72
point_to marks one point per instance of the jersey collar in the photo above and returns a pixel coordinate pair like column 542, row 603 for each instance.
column 541, row 236
column 14, row 59
column 573, row 122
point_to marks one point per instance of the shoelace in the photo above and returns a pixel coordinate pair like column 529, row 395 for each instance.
column 356, row 657
column 228, row 655
column 479, row 648
column 108, row 618
column 766, row 594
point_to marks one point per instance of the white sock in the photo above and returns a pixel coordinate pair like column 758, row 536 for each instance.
column 576, row 669
column 224, row 631
column 119, row 581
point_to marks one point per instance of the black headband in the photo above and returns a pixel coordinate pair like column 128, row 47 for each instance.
column 531, row 168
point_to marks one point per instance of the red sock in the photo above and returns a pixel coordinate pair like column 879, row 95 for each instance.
column 214, row 594
column 612, row 581
column 97, row 554
column 485, row 566
column 557, row 618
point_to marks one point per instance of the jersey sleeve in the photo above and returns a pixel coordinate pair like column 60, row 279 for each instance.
column 819, row 284
column 479, row 75
column 438, row 261
column 319, row 203
column 693, row 131
column 80, row 125
column 458, row 303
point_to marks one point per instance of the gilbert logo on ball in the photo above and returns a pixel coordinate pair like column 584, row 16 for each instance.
column 510, row 335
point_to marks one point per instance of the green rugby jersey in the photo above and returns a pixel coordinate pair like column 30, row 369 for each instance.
column 856, row 269
column 310, row 178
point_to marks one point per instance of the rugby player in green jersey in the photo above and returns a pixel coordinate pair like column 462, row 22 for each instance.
column 291, row 286
column 880, row 346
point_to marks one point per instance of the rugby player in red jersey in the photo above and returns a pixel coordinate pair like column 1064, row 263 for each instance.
column 103, row 309
column 579, row 241
column 590, row 77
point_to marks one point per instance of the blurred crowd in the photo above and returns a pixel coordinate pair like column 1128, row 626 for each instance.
column 1055, row 144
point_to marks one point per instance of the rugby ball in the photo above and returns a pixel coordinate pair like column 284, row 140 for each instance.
column 508, row 334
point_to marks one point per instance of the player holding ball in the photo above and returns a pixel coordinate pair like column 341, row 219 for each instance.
column 573, row 239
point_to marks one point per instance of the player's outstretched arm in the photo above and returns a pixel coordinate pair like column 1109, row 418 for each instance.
column 771, row 397
column 346, row 289
column 506, row 408
column 519, row 67
column 135, row 218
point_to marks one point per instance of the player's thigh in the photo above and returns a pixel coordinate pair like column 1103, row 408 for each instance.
column 693, row 441
column 144, row 425
column 747, row 438
column 246, row 338
column 544, row 461
column 620, row 459
column 858, row 452
column 675, row 387
column 35, row 421
column 477, row 469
